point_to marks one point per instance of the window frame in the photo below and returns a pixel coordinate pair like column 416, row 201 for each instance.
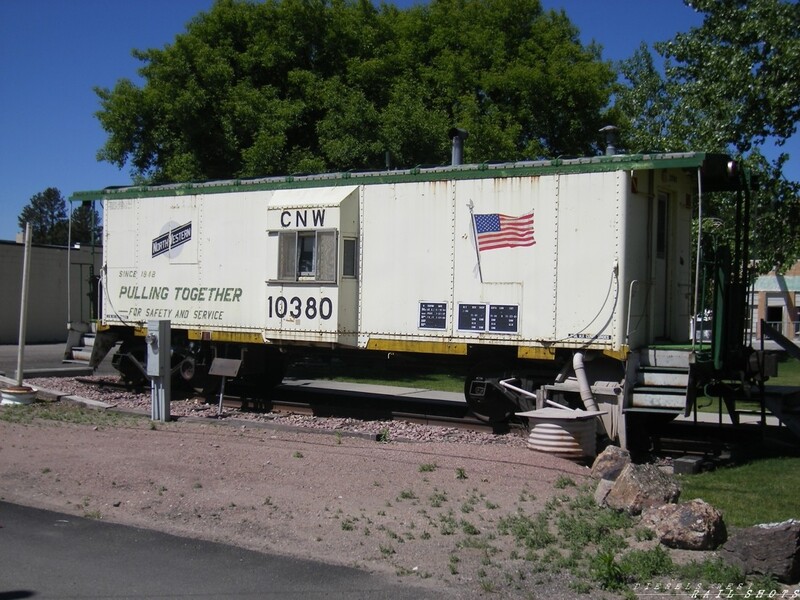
column 289, row 255
column 349, row 263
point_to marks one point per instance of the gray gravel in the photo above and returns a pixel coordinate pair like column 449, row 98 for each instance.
column 197, row 407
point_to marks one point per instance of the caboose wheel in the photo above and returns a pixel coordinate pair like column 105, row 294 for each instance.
column 130, row 361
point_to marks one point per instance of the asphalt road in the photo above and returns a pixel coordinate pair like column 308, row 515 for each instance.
column 46, row 554
column 43, row 360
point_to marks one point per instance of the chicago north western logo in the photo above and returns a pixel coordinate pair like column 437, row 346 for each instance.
column 172, row 239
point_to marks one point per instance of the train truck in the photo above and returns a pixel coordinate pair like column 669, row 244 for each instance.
column 555, row 282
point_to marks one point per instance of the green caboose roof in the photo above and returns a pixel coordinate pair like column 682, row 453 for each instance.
column 596, row 164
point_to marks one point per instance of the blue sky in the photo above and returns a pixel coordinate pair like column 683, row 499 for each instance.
column 54, row 52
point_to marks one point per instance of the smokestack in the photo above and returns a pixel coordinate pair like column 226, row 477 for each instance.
column 611, row 139
column 457, row 137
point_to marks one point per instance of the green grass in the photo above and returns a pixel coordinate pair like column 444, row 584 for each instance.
column 67, row 413
column 369, row 369
column 760, row 491
column 442, row 382
column 788, row 373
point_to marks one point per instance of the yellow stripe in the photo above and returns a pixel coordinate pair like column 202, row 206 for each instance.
column 225, row 336
column 421, row 347
column 621, row 354
column 536, row 353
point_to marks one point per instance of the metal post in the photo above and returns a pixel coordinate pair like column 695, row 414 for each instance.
column 221, row 396
column 159, row 346
column 23, row 308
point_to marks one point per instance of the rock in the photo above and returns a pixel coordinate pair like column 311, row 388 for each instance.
column 693, row 525
column 610, row 462
column 642, row 486
column 769, row 549
column 601, row 491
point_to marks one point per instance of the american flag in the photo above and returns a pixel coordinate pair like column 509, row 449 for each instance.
column 501, row 231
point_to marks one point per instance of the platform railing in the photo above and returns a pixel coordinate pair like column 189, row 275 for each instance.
column 789, row 329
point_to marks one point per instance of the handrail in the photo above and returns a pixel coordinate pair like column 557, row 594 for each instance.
column 634, row 282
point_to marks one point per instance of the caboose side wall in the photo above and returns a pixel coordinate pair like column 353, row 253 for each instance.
column 189, row 259
column 588, row 299
column 517, row 282
column 635, row 287
column 406, row 279
column 658, row 247
column 305, row 309
column 426, row 284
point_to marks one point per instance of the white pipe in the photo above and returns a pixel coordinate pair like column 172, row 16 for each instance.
column 514, row 388
column 583, row 381
column 23, row 308
column 557, row 405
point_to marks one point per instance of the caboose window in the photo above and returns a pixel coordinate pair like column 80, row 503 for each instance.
column 326, row 256
column 350, row 259
column 307, row 256
column 287, row 255
column 661, row 226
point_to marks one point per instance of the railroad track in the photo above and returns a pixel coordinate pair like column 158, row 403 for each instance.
column 325, row 402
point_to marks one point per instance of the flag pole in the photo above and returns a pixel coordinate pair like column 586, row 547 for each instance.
column 475, row 239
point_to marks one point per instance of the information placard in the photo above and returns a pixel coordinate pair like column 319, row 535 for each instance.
column 504, row 318
column 472, row 317
column 432, row 315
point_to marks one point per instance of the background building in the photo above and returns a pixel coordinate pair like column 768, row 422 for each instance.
column 775, row 299
column 50, row 307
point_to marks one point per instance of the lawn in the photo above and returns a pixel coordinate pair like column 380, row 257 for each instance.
column 397, row 372
column 758, row 491
column 788, row 375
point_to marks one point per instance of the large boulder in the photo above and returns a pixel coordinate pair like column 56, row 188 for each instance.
column 642, row 486
column 610, row 462
column 769, row 549
column 693, row 525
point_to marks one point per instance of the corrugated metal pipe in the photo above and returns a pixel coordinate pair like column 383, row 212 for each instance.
column 457, row 138
column 583, row 381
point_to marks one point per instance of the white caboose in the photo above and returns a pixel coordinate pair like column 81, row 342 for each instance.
column 567, row 268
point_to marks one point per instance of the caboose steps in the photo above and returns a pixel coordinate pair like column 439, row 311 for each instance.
column 658, row 397
column 664, row 358
column 660, row 381
column 664, row 376
column 79, row 347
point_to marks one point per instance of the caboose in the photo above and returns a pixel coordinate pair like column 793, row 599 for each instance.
column 557, row 282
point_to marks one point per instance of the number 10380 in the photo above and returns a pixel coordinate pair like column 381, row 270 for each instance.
column 296, row 307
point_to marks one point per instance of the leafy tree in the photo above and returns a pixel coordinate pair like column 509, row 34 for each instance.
column 47, row 214
column 50, row 224
column 738, row 71
column 86, row 227
column 730, row 86
column 253, row 89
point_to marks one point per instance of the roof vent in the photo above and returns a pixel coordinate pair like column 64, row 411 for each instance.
column 611, row 139
column 457, row 137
